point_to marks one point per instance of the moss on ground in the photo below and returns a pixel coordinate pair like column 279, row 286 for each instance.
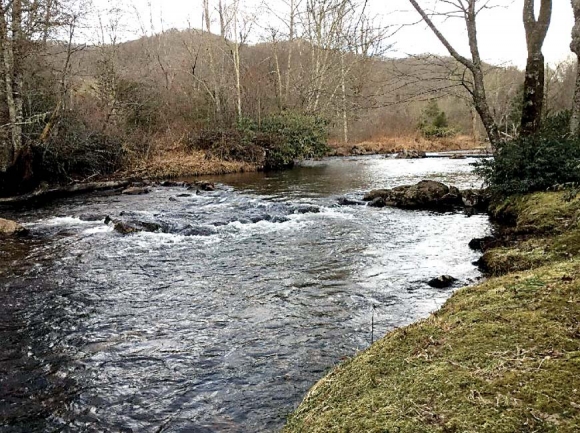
column 503, row 356
column 546, row 229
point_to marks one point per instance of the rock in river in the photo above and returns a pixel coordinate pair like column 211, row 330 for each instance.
column 442, row 282
column 135, row 190
column 411, row 154
column 481, row 244
column 11, row 228
column 427, row 194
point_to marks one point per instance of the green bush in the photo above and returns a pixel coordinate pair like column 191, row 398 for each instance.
column 434, row 123
column 274, row 144
column 531, row 164
column 292, row 137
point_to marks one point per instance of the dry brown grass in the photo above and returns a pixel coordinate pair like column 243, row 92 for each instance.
column 178, row 163
column 383, row 145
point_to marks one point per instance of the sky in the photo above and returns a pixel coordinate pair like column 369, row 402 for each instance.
column 501, row 33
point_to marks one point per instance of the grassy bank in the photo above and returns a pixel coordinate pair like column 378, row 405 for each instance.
column 503, row 356
column 186, row 164
column 387, row 145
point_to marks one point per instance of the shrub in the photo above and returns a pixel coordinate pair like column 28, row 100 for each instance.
column 276, row 143
column 76, row 150
column 291, row 137
column 531, row 164
column 434, row 123
column 228, row 145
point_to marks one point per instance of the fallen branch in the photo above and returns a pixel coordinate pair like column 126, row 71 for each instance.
column 58, row 192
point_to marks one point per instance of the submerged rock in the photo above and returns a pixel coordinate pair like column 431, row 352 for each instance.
column 345, row 201
column 135, row 190
column 124, row 228
column 411, row 154
column 303, row 209
column 91, row 217
column 205, row 185
column 11, row 228
column 442, row 282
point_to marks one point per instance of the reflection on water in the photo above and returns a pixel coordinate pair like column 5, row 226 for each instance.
column 224, row 319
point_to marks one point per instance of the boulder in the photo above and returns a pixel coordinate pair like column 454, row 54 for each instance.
column 345, row 201
column 480, row 244
column 91, row 217
column 171, row 183
column 205, row 185
column 303, row 209
column 475, row 198
column 411, row 154
column 124, row 228
column 377, row 202
column 442, row 282
column 376, row 193
column 427, row 194
column 135, row 190
column 11, row 228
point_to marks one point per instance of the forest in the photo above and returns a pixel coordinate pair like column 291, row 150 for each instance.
column 176, row 101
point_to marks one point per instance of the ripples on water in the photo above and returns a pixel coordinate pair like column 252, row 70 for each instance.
column 223, row 321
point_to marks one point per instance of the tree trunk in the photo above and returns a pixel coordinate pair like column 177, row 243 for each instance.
column 533, row 95
column 214, row 80
column 474, row 65
column 536, row 30
column 575, row 47
column 344, row 102
column 236, row 55
column 17, row 60
column 290, row 47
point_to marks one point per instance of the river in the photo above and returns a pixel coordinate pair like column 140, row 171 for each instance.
column 222, row 322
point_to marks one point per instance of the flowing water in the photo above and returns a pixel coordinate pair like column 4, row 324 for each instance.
column 222, row 320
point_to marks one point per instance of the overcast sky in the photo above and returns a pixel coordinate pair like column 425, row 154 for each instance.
column 501, row 32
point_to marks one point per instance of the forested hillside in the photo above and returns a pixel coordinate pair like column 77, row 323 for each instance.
column 80, row 110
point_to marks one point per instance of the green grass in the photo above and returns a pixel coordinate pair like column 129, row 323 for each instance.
column 503, row 356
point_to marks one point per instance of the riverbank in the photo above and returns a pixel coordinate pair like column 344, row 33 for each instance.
column 390, row 145
column 180, row 163
column 502, row 356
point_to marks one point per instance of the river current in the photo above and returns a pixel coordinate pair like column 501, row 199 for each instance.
column 222, row 320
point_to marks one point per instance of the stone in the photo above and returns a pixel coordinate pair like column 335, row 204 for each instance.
column 134, row 190
column 205, row 185
column 345, row 201
column 411, row 154
column 442, row 282
column 125, row 228
column 12, row 228
column 475, row 198
column 480, row 244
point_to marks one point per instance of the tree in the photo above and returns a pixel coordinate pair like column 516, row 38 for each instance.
column 468, row 10
column 11, row 41
column 575, row 47
column 536, row 30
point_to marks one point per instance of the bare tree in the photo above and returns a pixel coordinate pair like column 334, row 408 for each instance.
column 536, row 30
column 575, row 47
column 12, row 44
column 468, row 10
